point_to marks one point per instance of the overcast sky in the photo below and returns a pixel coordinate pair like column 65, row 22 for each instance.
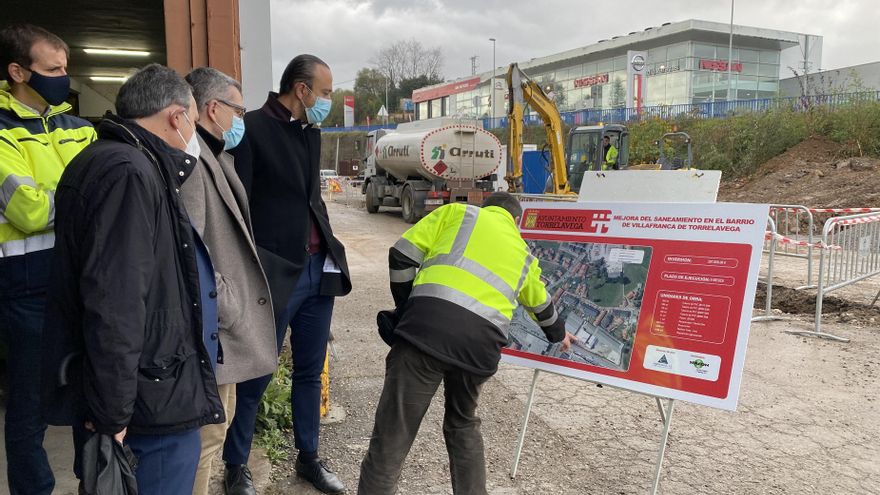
column 347, row 33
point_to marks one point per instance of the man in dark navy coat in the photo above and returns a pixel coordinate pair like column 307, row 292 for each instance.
column 304, row 262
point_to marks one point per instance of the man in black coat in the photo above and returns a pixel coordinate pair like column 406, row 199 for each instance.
column 126, row 349
column 304, row 262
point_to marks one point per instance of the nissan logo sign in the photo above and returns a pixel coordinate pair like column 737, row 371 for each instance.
column 638, row 63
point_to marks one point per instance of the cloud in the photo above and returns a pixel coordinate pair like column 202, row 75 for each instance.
column 348, row 33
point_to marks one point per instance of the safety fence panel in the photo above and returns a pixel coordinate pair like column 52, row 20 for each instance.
column 793, row 236
column 850, row 253
column 772, row 243
column 345, row 190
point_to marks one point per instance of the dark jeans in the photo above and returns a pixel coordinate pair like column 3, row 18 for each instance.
column 411, row 380
column 23, row 281
column 308, row 314
column 166, row 463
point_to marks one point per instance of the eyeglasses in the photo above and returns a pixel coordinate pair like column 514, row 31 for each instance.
column 239, row 110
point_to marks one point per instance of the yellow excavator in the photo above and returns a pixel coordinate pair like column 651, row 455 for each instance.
column 585, row 146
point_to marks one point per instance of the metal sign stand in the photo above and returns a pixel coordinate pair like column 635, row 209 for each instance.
column 665, row 416
column 696, row 186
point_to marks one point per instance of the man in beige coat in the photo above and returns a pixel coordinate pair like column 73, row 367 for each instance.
column 217, row 205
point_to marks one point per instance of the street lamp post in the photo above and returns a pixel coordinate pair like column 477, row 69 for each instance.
column 492, row 86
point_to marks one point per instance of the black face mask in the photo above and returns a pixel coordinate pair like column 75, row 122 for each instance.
column 53, row 89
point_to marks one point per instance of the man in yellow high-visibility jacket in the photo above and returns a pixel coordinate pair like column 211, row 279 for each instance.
column 609, row 156
column 456, row 276
column 37, row 140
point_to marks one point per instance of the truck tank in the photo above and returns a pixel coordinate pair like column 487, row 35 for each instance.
column 447, row 152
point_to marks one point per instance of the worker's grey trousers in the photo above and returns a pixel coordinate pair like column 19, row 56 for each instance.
column 411, row 380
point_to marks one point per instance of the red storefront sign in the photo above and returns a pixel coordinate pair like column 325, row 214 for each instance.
column 591, row 81
column 720, row 65
column 445, row 90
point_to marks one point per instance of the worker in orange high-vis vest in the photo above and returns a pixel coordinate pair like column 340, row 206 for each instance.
column 456, row 276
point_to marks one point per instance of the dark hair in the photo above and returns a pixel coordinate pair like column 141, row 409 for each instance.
column 504, row 200
column 16, row 41
column 606, row 137
column 300, row 69
column 151, row 90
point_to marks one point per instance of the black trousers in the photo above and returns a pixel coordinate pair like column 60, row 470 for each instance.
column 411, row 380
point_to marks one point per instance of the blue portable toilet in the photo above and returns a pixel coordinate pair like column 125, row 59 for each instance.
column 535, row 171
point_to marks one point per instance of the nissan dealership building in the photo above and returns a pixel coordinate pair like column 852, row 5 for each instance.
column 676, row 63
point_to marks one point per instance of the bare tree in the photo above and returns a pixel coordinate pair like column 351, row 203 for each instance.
column 408, row 59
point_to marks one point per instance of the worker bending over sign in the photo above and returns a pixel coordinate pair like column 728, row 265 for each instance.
column 456, row 276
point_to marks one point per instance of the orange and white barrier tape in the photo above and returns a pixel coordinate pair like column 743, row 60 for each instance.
column 828, row 210
column 794, row 242
column 844, row 210
column 853, row 221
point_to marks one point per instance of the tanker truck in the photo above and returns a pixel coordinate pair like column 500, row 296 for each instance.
column 423, row 165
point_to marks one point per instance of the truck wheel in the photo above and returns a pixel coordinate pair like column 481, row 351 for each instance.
column 372, row 202
column 407, row 202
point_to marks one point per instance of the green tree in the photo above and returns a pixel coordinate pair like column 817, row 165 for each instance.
column 369, row 94
column 407, row 86
column 618, row 93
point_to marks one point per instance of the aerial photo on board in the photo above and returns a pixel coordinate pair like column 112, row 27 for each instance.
column 597, row 289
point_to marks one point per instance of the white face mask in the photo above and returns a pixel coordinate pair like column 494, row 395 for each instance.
column 193, row 148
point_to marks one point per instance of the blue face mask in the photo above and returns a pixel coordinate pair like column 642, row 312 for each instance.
column 320, row 110
column 232, row 137
column 53, row 89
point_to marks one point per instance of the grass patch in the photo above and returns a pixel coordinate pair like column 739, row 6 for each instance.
column 605, row 294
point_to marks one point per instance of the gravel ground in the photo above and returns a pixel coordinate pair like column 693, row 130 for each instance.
column 807, row 421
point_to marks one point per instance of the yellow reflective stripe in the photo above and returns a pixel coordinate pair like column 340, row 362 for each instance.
column 29, row 245
column 474, row 269
column 467, row 302
column 402, row 276
column 409, row 250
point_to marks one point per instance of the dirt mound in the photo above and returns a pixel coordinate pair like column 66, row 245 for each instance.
column 792, row 301
column 813, row 173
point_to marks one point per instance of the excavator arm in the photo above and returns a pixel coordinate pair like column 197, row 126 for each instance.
column 524, row 91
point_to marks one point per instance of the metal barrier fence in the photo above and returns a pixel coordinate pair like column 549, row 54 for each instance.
column 798, row 227
column 345, row 190
column 361, row 128
column 706, row 110
column 793, row 235
column 773, row 239
column 850, row 253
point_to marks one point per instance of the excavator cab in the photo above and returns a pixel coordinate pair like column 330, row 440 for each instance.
column 586, row 152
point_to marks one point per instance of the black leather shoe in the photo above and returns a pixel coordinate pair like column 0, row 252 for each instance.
column 319, row 476
column 239, row 480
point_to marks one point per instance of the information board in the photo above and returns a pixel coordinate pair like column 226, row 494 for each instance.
column 659, row 295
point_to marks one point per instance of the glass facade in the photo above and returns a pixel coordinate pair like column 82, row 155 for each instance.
column 680, row 73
